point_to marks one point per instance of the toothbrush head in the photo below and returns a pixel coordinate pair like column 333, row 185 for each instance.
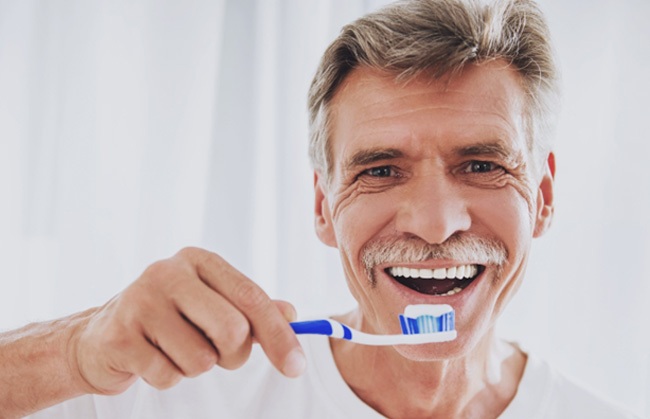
column 427, row 318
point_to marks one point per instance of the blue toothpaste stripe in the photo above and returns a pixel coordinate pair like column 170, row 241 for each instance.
column 413, row 326
column 428, row 323
column 402, row 323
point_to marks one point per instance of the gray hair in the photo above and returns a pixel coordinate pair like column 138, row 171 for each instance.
column 441, row 37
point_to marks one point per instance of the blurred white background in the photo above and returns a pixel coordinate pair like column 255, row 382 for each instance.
column 129, row 130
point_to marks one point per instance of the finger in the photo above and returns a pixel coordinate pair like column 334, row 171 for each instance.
column 145, row 360
column 181, row 342
column 224, row 325
column 268, row 325
column 287, row 309
column 267, row 322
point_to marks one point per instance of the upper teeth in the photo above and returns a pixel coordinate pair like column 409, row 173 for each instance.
column 455, row 272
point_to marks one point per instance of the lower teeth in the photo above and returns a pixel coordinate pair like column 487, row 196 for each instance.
column 452, row 292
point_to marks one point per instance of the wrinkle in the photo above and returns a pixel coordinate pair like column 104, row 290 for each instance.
column 344, row 199
column 413, row 110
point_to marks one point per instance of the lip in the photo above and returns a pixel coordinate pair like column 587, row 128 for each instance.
column 414, row 297
column 427, row 265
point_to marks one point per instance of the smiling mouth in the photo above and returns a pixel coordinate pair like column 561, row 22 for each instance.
column 440, row 282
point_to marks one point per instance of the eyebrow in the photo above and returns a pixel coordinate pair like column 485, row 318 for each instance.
column 370, row 156
column 373, row 155
column 494, row 148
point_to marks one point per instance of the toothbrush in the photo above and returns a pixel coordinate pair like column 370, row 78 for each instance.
column 421, row 323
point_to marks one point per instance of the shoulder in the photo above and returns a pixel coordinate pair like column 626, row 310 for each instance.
column 546, row 393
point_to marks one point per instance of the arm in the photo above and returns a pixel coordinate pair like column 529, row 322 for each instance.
column 35, row 367
column 180, row 318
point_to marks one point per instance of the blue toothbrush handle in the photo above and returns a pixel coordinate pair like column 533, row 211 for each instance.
column 323, row 327
column 316, row 327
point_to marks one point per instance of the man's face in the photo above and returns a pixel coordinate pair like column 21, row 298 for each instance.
column 432, row 178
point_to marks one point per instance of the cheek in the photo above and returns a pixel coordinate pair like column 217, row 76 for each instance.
column 356, row 222
column 506, row 214
column 359, row 218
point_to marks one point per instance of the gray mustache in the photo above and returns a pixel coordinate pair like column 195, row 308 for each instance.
column 461, row 246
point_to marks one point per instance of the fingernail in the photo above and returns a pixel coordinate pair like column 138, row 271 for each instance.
column 294, row 363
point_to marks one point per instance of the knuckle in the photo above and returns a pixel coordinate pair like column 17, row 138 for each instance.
column 134, row 306
column 157, row 269
column 129, row 298
column 156, row 274
column 188, row 252
column 250, row 296
column 160, row 374
column 203, row 361
column 276, row 333
column 236, row 333
column 236, row 359
column 165, row 380
column 150, row 366
column 164, row 276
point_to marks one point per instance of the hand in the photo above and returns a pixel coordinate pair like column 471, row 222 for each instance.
column 180, row 318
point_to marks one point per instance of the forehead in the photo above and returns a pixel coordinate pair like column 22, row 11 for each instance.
column 485, row 103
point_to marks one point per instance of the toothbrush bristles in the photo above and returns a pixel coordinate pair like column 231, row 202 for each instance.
column 427, row 323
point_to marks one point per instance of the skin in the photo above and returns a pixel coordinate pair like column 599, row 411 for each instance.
column 181, row 317
column 185, row 314
column 432, row 159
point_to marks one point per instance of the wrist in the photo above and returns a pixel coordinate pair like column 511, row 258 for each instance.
column 37, row 366
column 70, row 348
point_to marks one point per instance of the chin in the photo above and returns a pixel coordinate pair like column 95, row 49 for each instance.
column 462, row 346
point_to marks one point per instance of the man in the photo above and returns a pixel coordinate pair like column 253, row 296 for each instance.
column 433, row 172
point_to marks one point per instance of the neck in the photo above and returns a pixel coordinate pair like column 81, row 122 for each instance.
column 479, row 384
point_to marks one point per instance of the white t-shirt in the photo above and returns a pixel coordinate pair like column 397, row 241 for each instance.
column 257, row 390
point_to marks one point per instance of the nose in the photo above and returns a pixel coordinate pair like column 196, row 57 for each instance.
column 433, row 208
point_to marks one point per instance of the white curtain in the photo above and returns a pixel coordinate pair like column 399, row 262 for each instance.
column 131, row 129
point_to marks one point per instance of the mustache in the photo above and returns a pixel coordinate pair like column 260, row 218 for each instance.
column 461, row 246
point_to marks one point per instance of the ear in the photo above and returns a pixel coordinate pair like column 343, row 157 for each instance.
column 324, row 226
column 545, row 204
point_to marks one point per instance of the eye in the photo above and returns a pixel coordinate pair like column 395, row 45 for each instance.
column 381, row 171
column 477, row 166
